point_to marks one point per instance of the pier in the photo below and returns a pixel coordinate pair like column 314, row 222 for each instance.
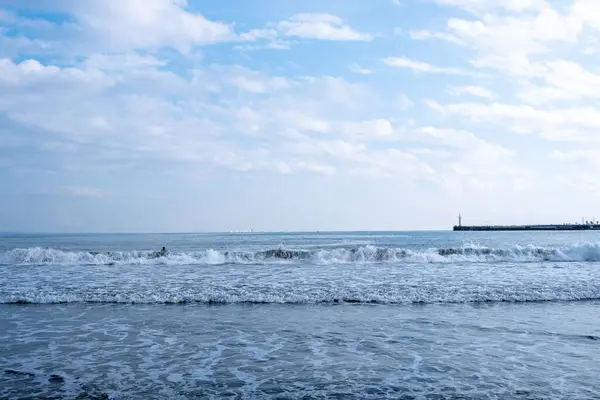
column 583, row 226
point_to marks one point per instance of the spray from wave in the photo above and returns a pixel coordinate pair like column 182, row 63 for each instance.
column 587, row 252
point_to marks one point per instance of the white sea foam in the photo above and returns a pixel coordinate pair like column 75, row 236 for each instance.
column 586, row 252
column 360, row 274
column 219, row 290
column 289, row 294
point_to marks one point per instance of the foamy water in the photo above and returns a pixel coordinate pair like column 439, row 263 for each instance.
column 411, row 315
column 281, row 254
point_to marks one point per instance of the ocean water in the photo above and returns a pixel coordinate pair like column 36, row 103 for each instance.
column 364, row 315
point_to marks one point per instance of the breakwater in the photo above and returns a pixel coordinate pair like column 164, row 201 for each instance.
column 550, row 227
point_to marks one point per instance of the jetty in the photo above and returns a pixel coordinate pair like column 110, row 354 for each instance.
column 583, row 226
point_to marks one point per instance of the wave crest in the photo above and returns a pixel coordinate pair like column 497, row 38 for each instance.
column 588, row 252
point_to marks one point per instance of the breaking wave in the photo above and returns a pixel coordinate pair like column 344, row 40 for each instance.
column 587, row 252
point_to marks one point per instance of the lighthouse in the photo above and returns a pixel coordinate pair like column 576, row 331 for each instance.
column 459, row 220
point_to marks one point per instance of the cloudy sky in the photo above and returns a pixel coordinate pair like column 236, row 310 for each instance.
column 203, row 115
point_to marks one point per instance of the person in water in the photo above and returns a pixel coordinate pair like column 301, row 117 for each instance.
column 163, row 252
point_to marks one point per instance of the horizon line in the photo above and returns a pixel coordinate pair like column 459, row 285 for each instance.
column 219, row 232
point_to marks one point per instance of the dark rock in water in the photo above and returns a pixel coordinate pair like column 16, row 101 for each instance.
column 283, row 254
column 21, row 373
column 446, row 252
column 56, row 379
column 467, row 251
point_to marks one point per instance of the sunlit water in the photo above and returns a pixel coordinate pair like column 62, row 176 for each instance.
column 432, row 315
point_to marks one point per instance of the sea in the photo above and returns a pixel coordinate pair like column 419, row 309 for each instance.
column 312, row 315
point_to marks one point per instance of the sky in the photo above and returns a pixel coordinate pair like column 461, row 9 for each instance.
column 203, row 115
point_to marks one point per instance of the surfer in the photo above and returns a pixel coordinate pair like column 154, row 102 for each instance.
column 156, row 254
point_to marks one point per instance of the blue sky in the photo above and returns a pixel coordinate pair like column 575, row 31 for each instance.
column 174, row 115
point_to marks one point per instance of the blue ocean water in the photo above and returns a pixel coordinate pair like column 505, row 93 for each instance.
column 403, row 315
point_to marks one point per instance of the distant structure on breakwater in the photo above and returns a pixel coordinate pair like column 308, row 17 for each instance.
column 583, row 226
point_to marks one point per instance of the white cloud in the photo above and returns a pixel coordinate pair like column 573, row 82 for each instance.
column 360, row 160
column 276, row 44
column 125, row 61
column 251, row 81
column 577, row 124
column 507, row 42
column 564, row 80
column 511, row 39
column 291, row 124
column 32, row 73
column 590, row 156
column 475, row 152
column 114, row 26
column 420, row 66
column 320, row 26
column 258, row 34
column 584, row 116
column 357, row 69
column 426, row 35
column 477, row 91
column 373, row 129
column 586, row 11
column 485, row 5
column 303, row 26
column 129, row 124
column 136, row 24
column 449, row 137
column 471, row 164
